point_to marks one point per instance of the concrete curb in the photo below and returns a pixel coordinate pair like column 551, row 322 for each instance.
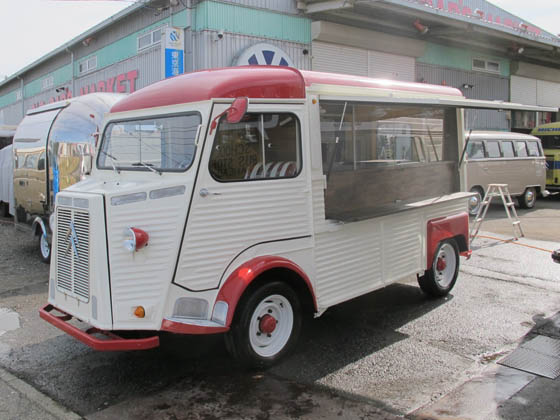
column 38, row 398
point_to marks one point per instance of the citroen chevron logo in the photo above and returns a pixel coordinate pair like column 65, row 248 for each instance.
column 72, row 239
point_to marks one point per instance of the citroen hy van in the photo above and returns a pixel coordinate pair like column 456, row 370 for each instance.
column 239, row 200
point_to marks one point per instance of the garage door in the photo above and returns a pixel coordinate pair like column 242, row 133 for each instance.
column 335, row 58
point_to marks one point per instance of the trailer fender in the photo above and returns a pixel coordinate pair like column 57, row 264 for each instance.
column 456, row 227
column 244, row 275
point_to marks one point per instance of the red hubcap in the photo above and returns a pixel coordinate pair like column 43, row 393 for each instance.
column 441, row 264
column 267, row 324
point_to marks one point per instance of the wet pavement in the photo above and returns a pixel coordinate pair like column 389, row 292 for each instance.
column 388, row 354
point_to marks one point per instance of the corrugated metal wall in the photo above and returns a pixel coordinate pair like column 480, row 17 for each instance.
column 285, row 6
column 210, row 52
column 484, row 86
column 12, row 114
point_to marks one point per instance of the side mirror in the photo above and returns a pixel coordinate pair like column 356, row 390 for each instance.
column 87, row 163
column 237, row 110
column 234, row 113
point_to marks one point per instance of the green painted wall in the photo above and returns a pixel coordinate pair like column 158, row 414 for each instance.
column 232, row 18
column 8, row 98
column 457, row 58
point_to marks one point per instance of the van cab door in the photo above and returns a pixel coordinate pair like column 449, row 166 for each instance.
column 252, row 188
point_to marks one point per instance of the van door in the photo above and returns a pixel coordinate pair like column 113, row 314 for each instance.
column 252, row 188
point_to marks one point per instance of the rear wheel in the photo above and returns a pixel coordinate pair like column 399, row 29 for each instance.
column 267, row 326
column 442, row 275
column 528, row 199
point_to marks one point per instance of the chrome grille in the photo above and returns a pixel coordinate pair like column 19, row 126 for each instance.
column 72, row 252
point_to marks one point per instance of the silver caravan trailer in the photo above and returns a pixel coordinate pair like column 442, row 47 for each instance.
column 6, row 170
column 53, row 149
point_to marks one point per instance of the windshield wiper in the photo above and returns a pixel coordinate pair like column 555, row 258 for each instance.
column 149, row 166
column 113, row 160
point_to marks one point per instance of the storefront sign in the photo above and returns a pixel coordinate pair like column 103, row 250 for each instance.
column 122, row 83
column 468, row 8
column 173, row 52
column 263, row 54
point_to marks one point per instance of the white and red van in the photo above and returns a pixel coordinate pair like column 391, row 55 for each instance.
column 238, row 200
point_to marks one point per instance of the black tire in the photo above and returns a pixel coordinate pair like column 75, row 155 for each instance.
column 528, row 199
column 44, row 248
column 436, row 282
column 473, row 209
column 239, row 340
column 4, row 209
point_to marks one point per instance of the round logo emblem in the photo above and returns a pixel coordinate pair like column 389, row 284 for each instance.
column 263, row 54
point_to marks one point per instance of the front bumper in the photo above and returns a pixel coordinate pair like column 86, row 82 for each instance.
column 95, row 338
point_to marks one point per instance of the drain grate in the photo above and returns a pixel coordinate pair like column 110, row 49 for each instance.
column 540, row 356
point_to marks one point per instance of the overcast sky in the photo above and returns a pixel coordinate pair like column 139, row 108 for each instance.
column 30, row 29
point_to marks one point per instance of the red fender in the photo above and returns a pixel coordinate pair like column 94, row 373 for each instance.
column 446, row 228
column 242, row 277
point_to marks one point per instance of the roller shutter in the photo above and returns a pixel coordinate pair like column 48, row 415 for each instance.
column 335, row 58
column 523, row 90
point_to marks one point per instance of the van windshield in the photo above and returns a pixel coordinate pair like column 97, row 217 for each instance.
column 162, row 143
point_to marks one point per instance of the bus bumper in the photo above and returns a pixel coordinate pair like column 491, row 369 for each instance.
column 94, row 337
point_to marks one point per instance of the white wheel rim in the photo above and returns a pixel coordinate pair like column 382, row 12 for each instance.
column 270, row 344
column 529, row 197
column 444, row 277
column 474, row 202
column 45, row 248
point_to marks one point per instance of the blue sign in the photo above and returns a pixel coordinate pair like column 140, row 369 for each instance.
column 174, row 62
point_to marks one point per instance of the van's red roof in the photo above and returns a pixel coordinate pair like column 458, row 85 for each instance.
column 255, row 82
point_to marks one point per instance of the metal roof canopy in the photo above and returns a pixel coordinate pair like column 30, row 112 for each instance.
column 398, row 16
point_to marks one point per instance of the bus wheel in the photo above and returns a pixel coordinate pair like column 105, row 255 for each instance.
column 441, row 277
column 528, row 199
column 474, row 202
column 267, row 326
column 44, row 248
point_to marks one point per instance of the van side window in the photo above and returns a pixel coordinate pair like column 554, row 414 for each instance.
column 521, row 149
column 493, row 149
column 475, row 150
column 533, row 148
column 261, row 146
column 507, row 149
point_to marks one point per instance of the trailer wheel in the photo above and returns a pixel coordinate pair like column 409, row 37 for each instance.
column 528, row 199
column 44, row 248
column 441, row 277
column 267, row 326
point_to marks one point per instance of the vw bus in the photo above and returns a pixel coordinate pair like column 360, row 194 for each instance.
column 240, row 200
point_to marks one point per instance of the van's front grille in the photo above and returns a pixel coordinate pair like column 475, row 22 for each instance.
column 72, row 252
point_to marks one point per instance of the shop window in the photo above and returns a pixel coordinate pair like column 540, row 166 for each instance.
column 261, row 146
column 533, row 148
column 507, row 149
column 149, row 39
column 379, row 158
column 475, row 150
column 87, row 65
column 481, row 64
column 521, row 149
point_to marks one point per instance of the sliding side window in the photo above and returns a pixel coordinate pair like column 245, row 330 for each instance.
column 378, row 158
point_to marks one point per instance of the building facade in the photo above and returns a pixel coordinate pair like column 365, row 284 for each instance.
column 470, row 44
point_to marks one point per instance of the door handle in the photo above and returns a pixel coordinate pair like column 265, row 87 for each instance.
column 205, row 193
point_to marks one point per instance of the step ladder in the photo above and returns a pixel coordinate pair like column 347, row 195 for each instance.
column 497, row 190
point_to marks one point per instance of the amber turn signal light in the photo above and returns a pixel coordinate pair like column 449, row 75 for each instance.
column 140, row 312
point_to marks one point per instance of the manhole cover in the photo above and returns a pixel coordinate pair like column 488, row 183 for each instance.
column 540, row 356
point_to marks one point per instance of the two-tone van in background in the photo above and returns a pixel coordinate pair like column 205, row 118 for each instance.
column 550, row 137
column 497, row 157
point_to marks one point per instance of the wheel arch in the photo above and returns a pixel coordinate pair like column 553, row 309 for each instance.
column 258, row 271
column 454, row 227
column 38, row 227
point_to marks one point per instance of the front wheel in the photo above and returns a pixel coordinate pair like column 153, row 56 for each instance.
column 441, row 277
column 44, row 248
column 528, row 199
column 267, row 325
column 475, row 201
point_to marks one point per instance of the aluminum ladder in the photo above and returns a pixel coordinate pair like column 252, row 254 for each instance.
column 497, row 190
